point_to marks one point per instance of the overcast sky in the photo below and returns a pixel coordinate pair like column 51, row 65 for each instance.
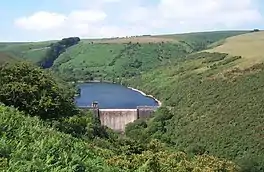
column 33, row 20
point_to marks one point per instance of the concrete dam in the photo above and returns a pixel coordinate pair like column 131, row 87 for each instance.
column 117, row 119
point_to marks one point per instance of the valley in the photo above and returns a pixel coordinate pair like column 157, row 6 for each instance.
column 210, row 85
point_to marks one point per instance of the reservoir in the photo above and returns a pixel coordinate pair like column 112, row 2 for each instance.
column 112, row 96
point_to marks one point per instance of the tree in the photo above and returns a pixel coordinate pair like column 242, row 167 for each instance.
column 35, row 91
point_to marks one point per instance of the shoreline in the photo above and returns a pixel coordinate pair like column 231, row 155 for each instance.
column 134, row 89
column 93, row 81
column 144, row 94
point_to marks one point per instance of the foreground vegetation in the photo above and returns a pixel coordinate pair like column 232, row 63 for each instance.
column 28, row 144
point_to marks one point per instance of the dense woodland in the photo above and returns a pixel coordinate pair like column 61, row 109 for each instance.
column 211, row 119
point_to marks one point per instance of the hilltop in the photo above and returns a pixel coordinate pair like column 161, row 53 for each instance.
column 36, row 51
column 172, row 38
column 109, row 59
column 249, row 46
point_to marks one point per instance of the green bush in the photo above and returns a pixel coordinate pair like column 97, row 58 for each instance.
column 35, row 91
column 83, row 125
column 229, row 60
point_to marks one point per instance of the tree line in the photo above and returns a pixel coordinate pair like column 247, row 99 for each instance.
column 56, row 49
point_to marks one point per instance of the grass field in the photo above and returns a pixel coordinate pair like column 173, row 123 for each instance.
column 138, row 39
column 249, row 46
column 214, row 35
column 173, row 38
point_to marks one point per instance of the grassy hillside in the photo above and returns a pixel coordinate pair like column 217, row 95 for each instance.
column 32, row 51
column 216, row 107
column 87, row 60
column 36, row 51
column 126, row 57
column 134, row 39
column 172, row 38
column 6, row 58
column 200, row 40
column 116, row 60
column 249, row 46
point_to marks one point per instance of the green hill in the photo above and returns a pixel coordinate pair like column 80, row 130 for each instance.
column 109, row 59
column 217, row 105
column 31, row 51
column 117, row 57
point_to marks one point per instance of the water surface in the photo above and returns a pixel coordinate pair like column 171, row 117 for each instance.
column 112, row 96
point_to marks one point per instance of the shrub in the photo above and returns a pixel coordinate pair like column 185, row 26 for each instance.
column 34, row 91
column 84, row 126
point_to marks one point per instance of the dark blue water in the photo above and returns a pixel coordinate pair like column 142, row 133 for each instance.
column 112, row 96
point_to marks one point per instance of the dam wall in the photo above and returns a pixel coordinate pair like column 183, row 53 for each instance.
column 145, row 112
column 117, row 119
